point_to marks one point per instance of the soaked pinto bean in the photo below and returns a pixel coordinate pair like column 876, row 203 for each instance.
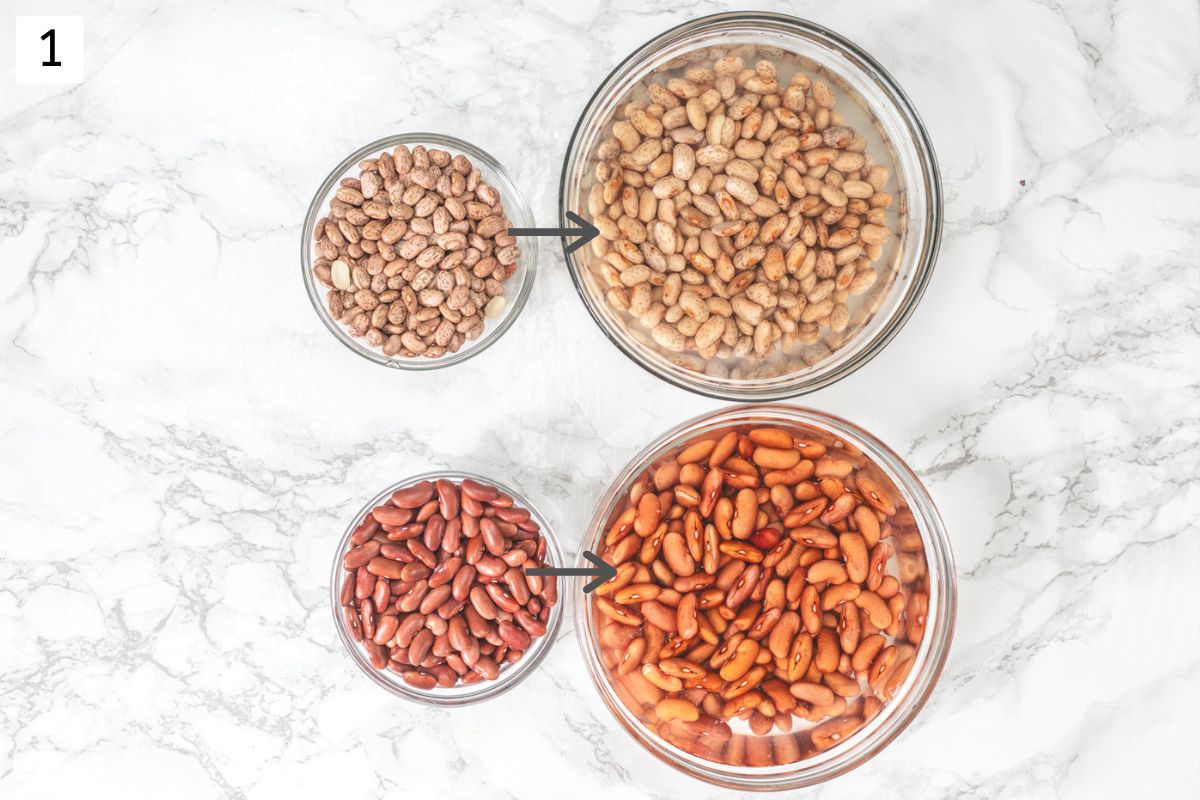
column 435, row 586
column 770, row 590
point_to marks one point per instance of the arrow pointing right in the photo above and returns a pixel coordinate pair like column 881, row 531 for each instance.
column 586, row 232
column 603, row 571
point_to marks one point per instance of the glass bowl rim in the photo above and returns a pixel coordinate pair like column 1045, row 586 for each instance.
column 521, row 215
column 700, row 383
column 510, row 675
column 876, row 734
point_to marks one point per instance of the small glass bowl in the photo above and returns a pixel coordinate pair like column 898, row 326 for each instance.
column 931, row 654
column 461, row 695
column 875, row 106
column 517, row 288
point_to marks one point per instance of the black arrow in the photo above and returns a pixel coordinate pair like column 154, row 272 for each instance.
column 586, row 232
column 603, row 571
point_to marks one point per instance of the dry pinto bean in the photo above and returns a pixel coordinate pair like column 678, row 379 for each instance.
column 462, row 610
column 416, row 254
column 760, row 604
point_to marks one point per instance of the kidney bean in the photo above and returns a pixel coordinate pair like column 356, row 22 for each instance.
column 353, row 623
column 435, row 587
column 366, row 615
column 493, row 538
column 382, row 594
column 449, row 608
column 476, row 622
column 386, row 629
column 413, row 597
column 413, row 496
column 474, row 550
column 408, row 628
column 452, row 536
column 385, row 568
column 464, row 579
column 365, row 530
column 433, row 599
column 549, row 592
column 420, row 646
column 767, row 574
column 470, row 655
column 482, row 492
column 426, row 511
column 360, row 555
column 511, row 515
column 490, row 567
column 419, row 680
column 407, row 531
column 482, row 602
column 470, row 506
column 515, row 557
column 434, row 527
column 377, row 653
column 391, row 515
column 501, row 597
column 445, row 571
column 447, row 494
column 513, row 636
column 514, row 579
column 530, row 623
column 487, row 668
column 364, row 584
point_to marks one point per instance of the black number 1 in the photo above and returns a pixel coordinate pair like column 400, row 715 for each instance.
column 52, row 62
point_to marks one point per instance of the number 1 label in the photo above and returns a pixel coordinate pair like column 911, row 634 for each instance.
column 52, row 62
column 49, row 50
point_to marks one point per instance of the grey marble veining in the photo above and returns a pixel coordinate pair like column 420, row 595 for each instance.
column 182, row 442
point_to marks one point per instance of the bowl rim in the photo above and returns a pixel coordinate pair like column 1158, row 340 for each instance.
column 516, row 207
column 922, row 272
column 931, row 656
column 510, row 675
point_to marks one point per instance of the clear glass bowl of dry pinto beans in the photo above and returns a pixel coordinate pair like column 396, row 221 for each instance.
column 406, row 255
column 429, row 591
column 784, row 598
column 768, row 204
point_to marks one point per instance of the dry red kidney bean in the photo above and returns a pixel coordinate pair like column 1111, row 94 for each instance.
column 435, row 587
column 414, row 253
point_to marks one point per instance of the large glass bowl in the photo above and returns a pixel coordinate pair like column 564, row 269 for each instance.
column 937, row 579
column 517, row 287
column 463, row 694
column 874, row 105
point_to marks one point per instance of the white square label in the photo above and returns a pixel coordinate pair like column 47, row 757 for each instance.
column 49, row 49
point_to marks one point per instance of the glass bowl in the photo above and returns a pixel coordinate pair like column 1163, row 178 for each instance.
column 874, row 105
column 517, row 287
column 923, row 564
column 463, row 694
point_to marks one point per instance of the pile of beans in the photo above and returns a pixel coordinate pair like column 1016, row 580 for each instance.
column 770, row 597
column 435, row 586
column 414, row 252
column 739, row 214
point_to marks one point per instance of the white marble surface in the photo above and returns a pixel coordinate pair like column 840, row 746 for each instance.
column 181, row 440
